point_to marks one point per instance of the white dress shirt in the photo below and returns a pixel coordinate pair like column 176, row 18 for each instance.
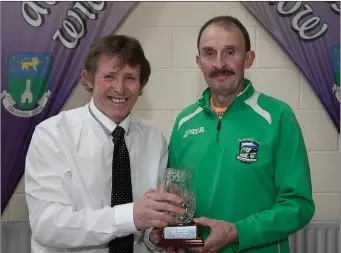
column 68, row 180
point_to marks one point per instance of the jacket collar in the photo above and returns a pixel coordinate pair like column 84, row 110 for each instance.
column 204, row 100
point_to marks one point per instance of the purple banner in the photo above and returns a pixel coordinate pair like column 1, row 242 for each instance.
column 43, row 45
column 309, row 32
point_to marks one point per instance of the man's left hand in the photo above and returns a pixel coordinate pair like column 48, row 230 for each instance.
column 221, row 233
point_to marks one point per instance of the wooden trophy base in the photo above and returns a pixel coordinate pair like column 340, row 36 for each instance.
column 181, row 236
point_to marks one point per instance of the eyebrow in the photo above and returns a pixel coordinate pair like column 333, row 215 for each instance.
column 206, row 48
column 115, row 73
column 109, row 73
column 130, row 73
column 231, row 47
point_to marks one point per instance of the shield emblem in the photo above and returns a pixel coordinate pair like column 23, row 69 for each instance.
column 248, row 151
column 27, row 83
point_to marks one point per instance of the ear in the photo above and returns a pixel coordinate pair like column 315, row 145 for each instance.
column 86, row 77
column 198, row 60
column 250, row 57
column 142, row 85
column 145, row 82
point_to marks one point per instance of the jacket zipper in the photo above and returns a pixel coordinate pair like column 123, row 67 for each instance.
column 218, row 128
column 218, row 124
column 219, row 120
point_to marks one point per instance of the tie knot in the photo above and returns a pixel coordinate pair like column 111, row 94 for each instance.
column 118, row 134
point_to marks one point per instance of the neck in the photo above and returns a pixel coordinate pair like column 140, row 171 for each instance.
column 99, row 107
column 223, row 100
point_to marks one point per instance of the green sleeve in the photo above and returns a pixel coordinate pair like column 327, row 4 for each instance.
column 294, row 207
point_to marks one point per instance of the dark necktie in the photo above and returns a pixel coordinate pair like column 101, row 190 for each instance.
column 121, row 192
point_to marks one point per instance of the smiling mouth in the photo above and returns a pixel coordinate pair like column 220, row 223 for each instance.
column 118, row 100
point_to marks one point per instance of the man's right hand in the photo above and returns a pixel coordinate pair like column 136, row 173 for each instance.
column 148, row 212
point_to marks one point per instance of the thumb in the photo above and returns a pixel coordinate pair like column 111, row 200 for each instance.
column 149, row 191
column 204, row 221
column 160, row 188
column 154, row 235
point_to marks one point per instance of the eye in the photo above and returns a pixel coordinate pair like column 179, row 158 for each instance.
column 230, row 52
column 131, row 78
column 108, row 77
column 209, row 53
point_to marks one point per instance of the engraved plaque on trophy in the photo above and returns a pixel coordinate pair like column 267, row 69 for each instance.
column 185, row 234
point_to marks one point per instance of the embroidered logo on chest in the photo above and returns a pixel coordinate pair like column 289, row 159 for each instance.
column 194, row 131
column 248, row 151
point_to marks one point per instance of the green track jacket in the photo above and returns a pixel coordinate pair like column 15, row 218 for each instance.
column 251, row 168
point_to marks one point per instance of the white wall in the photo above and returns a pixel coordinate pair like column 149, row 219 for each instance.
column 168, row 32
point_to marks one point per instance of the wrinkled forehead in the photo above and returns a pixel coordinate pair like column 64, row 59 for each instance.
column 116, row 63
column 219, row 36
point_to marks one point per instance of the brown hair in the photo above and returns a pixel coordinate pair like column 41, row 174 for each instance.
column 127, row 48
column 226, row 21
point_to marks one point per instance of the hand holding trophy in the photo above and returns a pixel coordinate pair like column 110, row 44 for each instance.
column 185, row 234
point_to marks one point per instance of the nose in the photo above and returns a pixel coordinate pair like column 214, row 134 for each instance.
column 119, row 86
column 219, row 63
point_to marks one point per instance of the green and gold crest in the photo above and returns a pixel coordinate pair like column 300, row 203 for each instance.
column 27, row 83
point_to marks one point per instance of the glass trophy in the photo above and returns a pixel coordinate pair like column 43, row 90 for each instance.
column 185, row 234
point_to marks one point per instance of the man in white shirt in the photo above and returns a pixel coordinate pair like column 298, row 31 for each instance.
column 70, row 165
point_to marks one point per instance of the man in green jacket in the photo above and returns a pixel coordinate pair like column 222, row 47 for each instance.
column 245, row 150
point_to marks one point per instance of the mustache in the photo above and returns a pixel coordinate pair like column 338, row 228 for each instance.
column 223, row 71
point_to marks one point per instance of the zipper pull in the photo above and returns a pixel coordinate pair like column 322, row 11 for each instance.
column 219, row 125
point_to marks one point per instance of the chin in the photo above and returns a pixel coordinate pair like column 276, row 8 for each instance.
column 220, row 86
column 119, row 116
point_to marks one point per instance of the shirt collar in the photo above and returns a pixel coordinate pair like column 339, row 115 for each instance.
column 107, row 124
